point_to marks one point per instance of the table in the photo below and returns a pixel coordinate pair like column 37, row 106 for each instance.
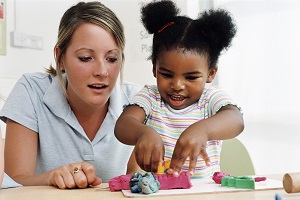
column 49, row 192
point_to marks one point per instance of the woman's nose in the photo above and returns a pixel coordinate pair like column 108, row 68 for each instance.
column 101, row 69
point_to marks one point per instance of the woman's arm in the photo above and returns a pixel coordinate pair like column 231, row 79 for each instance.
column 1, row 160
column 21, row 145
column 20, row 154
column 130, row 130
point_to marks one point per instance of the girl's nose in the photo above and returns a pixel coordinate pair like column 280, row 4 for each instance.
column 177, row 84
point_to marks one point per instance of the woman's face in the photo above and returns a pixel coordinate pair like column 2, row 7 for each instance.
column 92, row 63
column 181, row 77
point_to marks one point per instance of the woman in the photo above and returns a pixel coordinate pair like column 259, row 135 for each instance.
column 1, row 160
column 60, row 124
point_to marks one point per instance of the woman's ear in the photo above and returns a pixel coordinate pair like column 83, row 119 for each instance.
column 211, row 74
column 57, row 51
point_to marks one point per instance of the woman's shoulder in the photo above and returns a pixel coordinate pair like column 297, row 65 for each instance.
column 37, row 77
column 33, row 84
column 129, row 88
column 131, row 85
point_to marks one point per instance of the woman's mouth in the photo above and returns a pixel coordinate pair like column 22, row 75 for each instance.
column 97, row 86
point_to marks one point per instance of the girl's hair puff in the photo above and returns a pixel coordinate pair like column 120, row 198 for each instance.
column 156, row 15
column 207, row 35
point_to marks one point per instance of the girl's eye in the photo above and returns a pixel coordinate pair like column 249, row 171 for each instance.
column 166, row 75
column 191, row 77
column 111, row 59
column 85, row 58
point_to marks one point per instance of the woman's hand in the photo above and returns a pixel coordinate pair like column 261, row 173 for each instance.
column 149, row 150
column 75, row 175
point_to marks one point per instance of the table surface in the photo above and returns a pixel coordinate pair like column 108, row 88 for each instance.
column 101, row 192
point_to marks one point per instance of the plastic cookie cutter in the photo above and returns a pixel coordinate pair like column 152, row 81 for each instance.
column 163, row 167
column 244, row 182
column 218, row 176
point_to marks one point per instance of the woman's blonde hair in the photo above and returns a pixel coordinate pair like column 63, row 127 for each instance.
column 85, row 12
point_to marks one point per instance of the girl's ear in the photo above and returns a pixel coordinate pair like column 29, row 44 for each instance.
column 211, row 74
column 154, row 70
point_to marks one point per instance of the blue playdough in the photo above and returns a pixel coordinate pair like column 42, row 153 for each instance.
column 145, row 183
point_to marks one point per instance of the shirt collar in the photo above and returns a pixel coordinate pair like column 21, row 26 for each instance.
column 55, row 99
column 57, row 103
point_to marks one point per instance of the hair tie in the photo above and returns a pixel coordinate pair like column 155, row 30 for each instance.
column 165, row 26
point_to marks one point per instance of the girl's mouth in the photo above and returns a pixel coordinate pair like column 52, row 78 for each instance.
column 177, row 97
column 177, row 101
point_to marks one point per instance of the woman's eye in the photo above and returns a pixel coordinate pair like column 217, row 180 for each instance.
column 85, row 58
column 111, row 59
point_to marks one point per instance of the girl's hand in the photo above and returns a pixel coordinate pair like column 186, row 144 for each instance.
column 75, row 175
column 149, row 150
column 191, row 143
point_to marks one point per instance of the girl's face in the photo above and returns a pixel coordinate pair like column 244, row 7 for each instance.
column 92, row 64
column 181, row 77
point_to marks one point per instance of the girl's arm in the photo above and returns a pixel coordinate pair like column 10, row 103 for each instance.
column 227, row 123
column 21, row 146
column 132, row 165
column 130, row 130
column 130, row 127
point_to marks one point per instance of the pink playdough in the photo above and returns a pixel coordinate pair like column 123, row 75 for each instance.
column 167, row 182
column 119, row 183
column 217, row 177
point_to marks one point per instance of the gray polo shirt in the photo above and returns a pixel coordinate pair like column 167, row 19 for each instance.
column 38, row 103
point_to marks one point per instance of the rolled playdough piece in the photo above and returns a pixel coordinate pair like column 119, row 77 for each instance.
column 167, row 182
column 291, row 182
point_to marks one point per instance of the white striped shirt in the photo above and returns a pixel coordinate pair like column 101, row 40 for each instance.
column 170, row 123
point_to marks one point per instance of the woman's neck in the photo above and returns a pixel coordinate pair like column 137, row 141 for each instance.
column 92, row 121
column 89, row 117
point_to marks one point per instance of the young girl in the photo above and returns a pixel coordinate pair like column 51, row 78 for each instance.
column 180, row 119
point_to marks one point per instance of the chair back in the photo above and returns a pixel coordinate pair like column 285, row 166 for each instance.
column 235, row 159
